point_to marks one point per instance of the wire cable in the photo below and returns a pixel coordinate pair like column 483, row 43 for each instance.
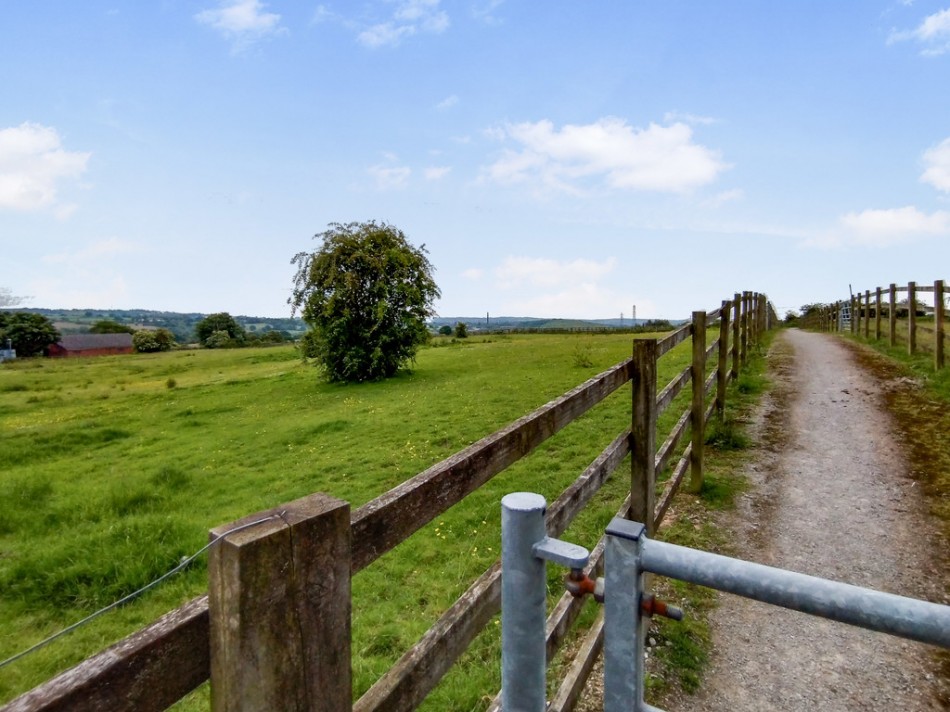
column 184, row 563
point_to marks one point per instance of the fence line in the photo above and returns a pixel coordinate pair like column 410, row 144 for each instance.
column 831, row 317
column 158, row 665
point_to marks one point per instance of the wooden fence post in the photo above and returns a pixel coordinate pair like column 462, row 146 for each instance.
column 754, row 319
column 892, row 315
column 279, row 604
column 643, row 433
column 745, row 328
column 854, row 314
column 867, row 313
column 911, row 318
column 698, row 410
column 722, row 372
column 736, row 326
column 938, row 324
column 877, row 315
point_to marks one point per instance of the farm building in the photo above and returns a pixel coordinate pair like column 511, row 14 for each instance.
column 91, row 345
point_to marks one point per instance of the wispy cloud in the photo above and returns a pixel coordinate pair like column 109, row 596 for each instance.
column 937, row 162
column 33, row 164
column 390, row 177
column 447, row 103
column 574, row 288
column 543, row 272
column 657, row 158
column 410, row 17
column 473, row 273
column 93, row 253
column 881, row 228
column 933, row 34
column 671, row 117
column 242, row 21
column 437, row 172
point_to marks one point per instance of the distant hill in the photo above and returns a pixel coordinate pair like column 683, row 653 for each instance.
column 182, row 325
column 495, row 323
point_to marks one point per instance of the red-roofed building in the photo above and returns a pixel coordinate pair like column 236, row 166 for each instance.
column 91, row 345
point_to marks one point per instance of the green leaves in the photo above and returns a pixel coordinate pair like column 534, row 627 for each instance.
column 30, row 333
column 365, row 293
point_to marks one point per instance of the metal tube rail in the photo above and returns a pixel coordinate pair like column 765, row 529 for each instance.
column 866, row 608
column 630, row 554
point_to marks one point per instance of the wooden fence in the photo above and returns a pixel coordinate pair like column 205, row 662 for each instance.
column 274, row 630
column 871, row 306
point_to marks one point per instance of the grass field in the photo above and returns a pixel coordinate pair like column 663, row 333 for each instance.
column 115, row 468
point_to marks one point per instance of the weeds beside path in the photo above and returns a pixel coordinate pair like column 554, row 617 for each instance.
column 832, row 495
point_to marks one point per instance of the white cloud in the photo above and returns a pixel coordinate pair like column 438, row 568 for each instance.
column 657, row 158
column 447, row 103
column 390, row 177
column 937, row 162
column 437, row 172
column 933, row 33
column 884, row 228
column 32, row 165
column 243, row 21
column 409, row 18
column 543, row 272
column 473, row 273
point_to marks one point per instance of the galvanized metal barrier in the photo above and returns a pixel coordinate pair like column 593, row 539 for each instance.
column 629, row 554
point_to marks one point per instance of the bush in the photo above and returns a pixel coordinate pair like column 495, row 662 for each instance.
column 445, row 330
column 149, row 341
column 218, row 340
column 366, row 294
column 461, row 330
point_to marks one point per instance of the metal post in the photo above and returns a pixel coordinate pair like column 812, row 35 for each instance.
column 523, row 589
column 623, row 652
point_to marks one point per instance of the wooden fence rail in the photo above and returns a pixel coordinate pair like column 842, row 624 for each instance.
column 862, row 311
column 276, row 624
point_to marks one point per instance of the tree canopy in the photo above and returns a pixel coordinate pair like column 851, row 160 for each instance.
column 366, row 294
column 222, row 321
column 30, row 333
column 110, row 326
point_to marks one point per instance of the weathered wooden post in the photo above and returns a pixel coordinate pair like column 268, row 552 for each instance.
column 736, row 326
column 911, row 318
column 938, row 324
column 867, row 313
column 722, row 371
column 745, row 328
column 877, row 315
column 698, row 410
column 643, row 433
column 754, row 319
column 892, row 315
column 854, row 315
column 279, row 604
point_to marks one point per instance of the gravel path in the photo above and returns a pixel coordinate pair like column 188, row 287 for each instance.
column 830, row 497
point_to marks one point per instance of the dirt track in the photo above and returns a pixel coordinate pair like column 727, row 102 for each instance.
column 830, row 497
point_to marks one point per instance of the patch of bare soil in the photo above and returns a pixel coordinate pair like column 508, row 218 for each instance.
column 833, row 494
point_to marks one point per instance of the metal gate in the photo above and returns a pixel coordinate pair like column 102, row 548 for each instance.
column 629, row 554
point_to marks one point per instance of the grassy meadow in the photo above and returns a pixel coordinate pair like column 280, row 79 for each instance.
column 114, row 468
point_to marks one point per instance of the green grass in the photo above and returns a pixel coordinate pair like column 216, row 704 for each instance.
column 110, row 475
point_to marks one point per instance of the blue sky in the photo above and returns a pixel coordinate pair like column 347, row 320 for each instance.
column 557, row 159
